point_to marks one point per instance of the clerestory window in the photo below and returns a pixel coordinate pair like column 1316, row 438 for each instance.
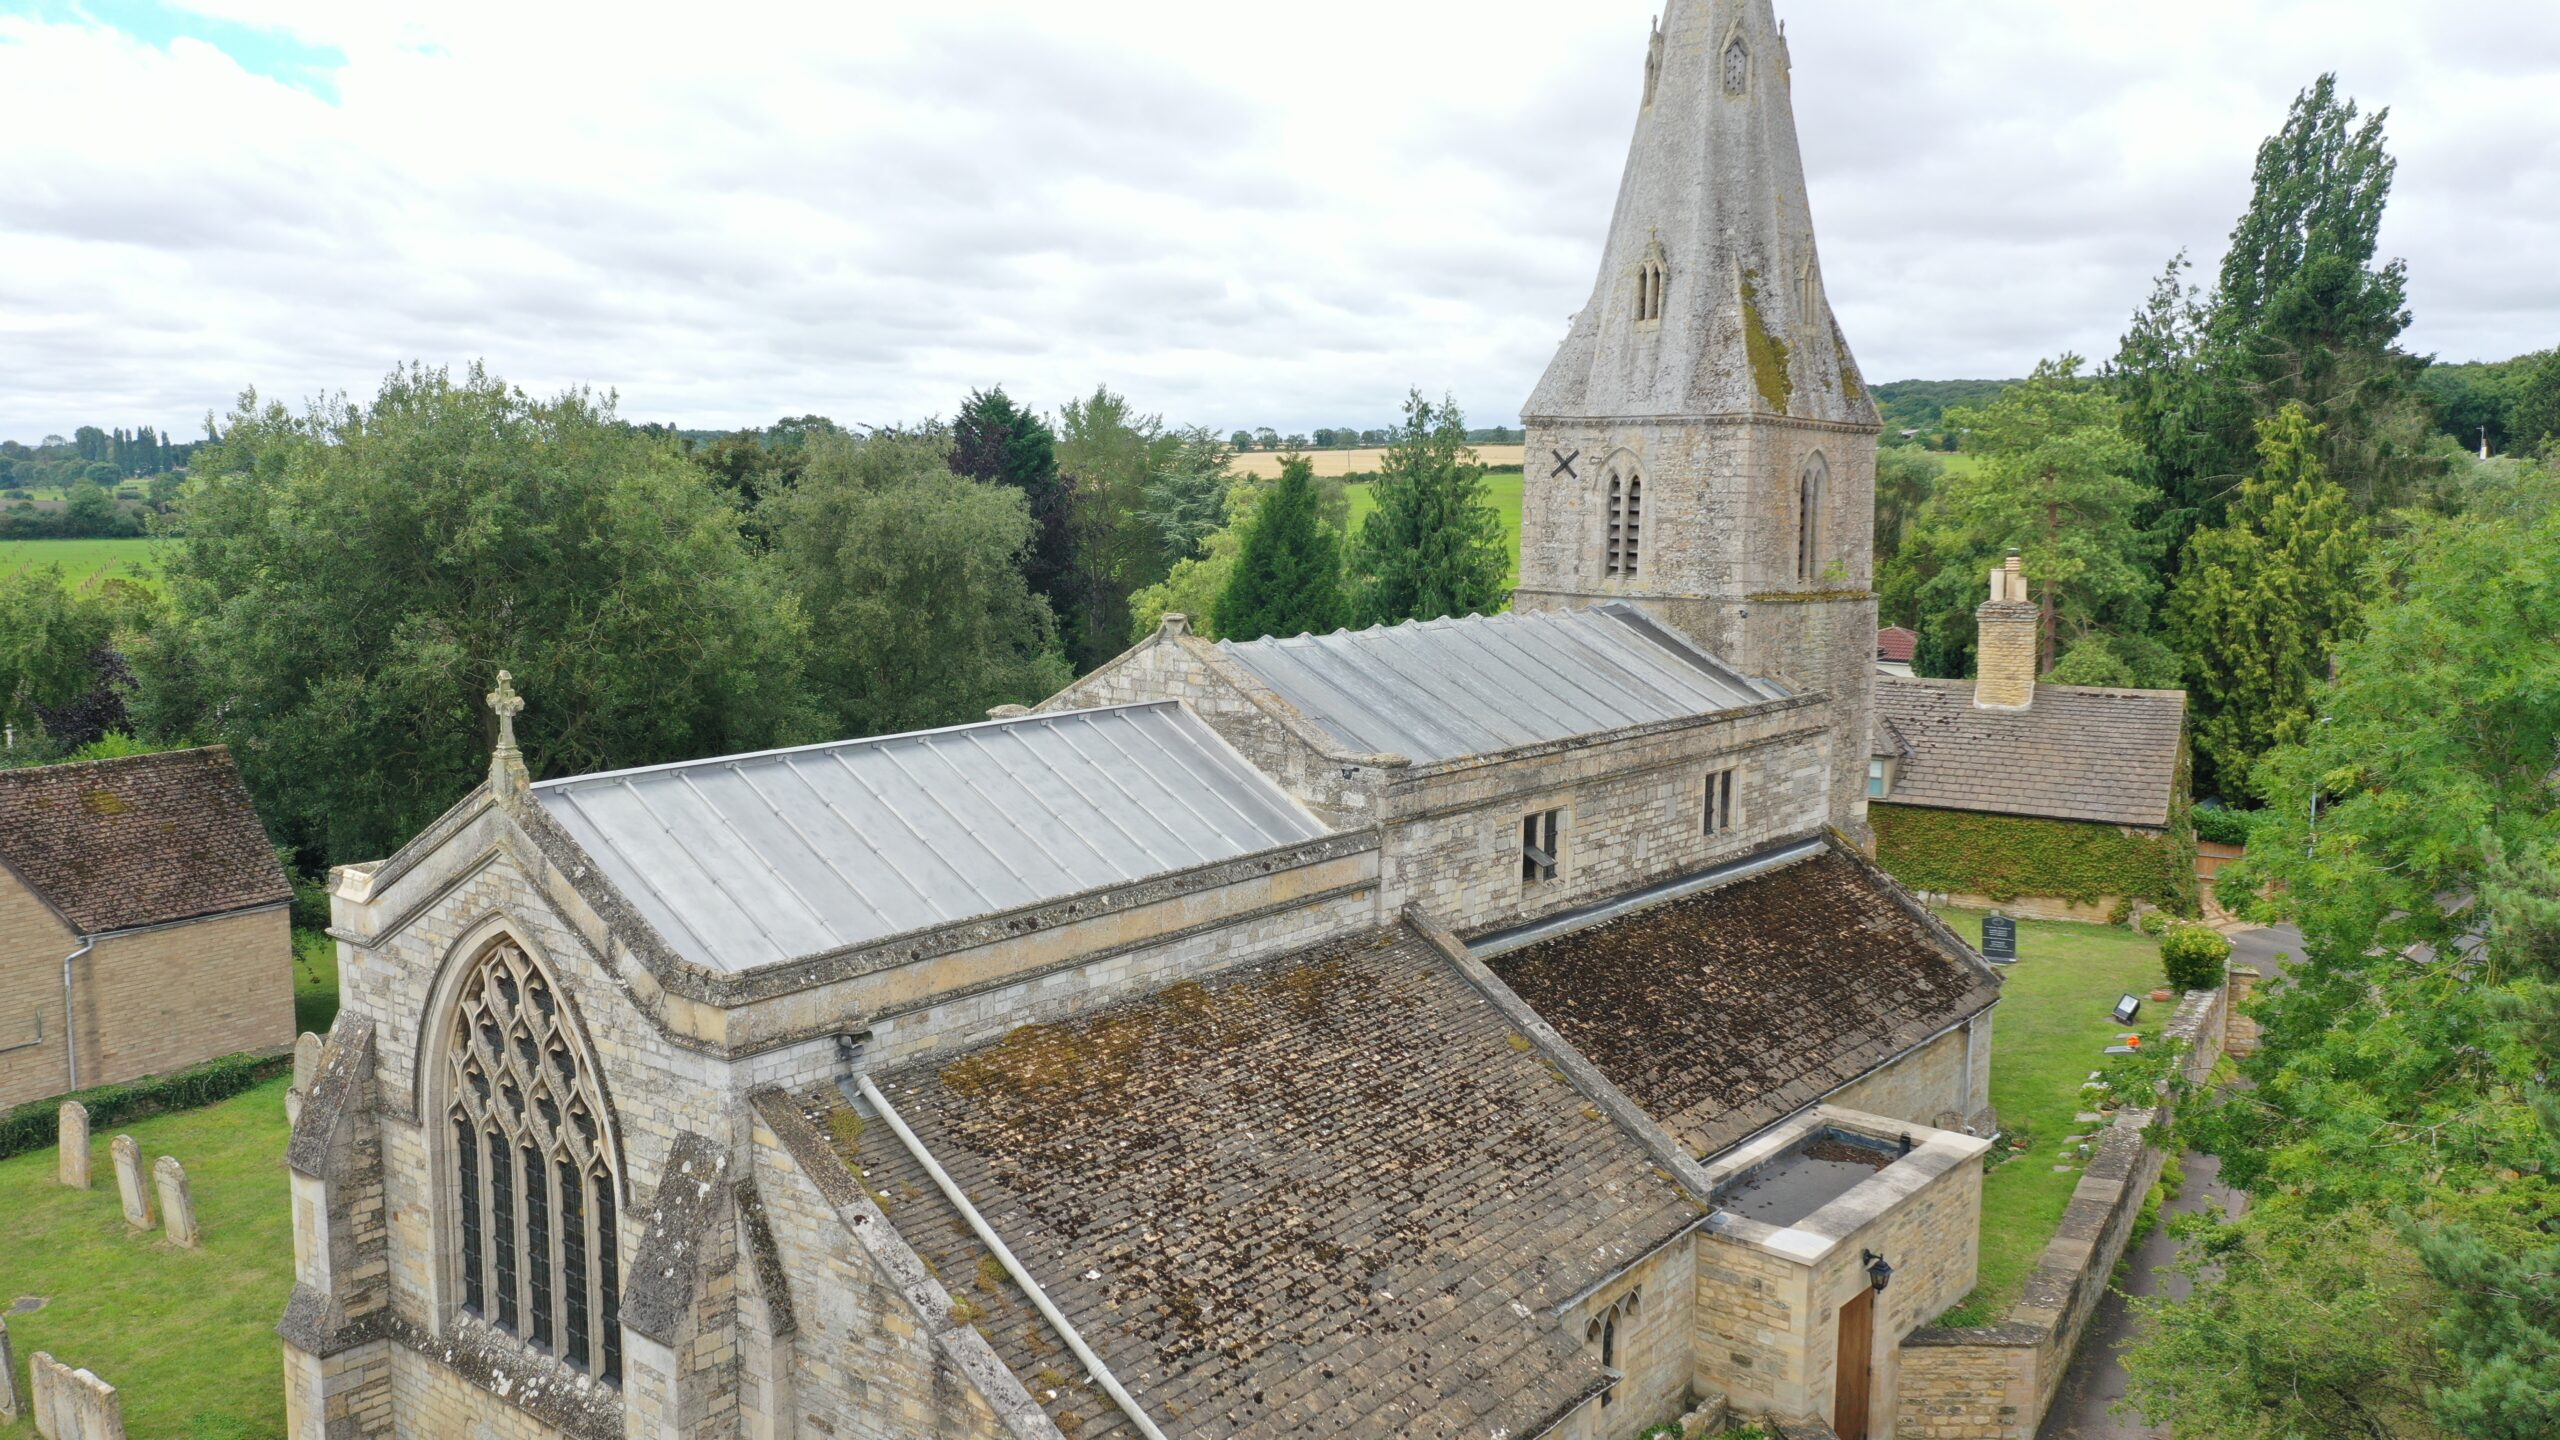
column 1719, row 809
column 1541, row 845
column 534, row 1172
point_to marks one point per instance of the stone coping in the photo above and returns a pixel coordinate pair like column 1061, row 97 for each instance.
column 1808, row 1241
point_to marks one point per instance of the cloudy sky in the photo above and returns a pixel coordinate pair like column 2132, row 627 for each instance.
column 1237, row 215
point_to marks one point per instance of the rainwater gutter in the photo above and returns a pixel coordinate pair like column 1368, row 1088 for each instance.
column 70, row 1027
column 1092, row 1362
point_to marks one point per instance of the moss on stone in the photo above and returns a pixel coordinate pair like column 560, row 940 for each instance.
column 1768, row 352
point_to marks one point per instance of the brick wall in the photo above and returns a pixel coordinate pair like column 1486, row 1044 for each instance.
column 32, row 944
column 148, row 1003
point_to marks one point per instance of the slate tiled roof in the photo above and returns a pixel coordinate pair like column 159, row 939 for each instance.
column 1333, row 1195
column 1725, row 1011
column 1440, row 689
column 2080, row 752
column 143, row 840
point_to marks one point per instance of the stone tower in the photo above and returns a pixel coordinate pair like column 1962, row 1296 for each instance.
column 1702, row 443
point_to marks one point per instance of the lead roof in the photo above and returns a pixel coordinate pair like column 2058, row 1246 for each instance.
column 748, row 860
column 1441, row 689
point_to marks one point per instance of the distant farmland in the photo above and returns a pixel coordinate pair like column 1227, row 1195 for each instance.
column 85, row 562
column 1266, row 463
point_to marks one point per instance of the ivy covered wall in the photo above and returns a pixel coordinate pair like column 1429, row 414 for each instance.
column 2008, row 856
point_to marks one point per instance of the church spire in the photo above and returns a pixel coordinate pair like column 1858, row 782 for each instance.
column 1733, row 321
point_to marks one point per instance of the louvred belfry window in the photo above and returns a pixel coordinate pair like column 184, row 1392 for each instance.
column 1626, row 523
column 536, row 1205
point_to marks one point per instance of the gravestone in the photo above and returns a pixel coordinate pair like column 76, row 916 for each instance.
column 99, row 1407
column 1999, row 939
column 10, row 1408
column 71, row 1167
column 44, row 1395
column 292, row 1108
column 177, row 1206
column 306, row 1062
column 131, row 1188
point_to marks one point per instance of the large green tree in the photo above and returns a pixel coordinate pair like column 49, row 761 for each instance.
column 909, row 578
column 1434, row 545
column 998, row 441
column 2262, row 601
column 1288, row 574
column 2399, row 1134
column 351, row 578
column 48, row 636
column 2053, row 481
column 1111, row 457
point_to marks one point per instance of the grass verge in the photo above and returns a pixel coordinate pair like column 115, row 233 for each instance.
column 2050, row 1031
column 186, row 1336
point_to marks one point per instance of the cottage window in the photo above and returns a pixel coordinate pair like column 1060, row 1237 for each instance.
column 1719, row 807
column 1541, row 843
column 535, row 1202
column 1879, row 779
column 1626, row 523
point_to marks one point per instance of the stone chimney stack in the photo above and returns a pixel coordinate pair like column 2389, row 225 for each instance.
column 2004, row 652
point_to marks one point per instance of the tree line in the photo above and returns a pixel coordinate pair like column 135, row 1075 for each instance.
column 341, row 583
column 1353, row 438
column 2195, row 512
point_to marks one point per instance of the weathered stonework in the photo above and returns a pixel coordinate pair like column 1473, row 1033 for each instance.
column 71, row 1162
column 177, row 1203
column 133, row 1188
column 11, row 1403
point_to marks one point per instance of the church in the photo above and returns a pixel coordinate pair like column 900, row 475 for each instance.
column 1490, row 1027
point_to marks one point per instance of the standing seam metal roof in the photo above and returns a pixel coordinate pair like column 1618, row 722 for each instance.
column 1441, row 689
column 749, row 860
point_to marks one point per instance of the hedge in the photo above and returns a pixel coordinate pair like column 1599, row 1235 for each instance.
column 2006, row 856
column 36, row 1124
column 2223, row 825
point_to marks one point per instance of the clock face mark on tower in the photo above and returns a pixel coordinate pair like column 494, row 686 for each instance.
column 1564, row 464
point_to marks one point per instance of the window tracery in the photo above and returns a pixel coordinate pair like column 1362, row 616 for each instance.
column 1809, row 501
column 532, row 1167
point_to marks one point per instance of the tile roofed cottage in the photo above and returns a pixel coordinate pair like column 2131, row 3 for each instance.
column 153, row 873
column 1446, row 1030
column 2083, row 757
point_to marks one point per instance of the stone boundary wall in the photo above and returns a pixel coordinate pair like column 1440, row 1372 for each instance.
column 1995, row 1382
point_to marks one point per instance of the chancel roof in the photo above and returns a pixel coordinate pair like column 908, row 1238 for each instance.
column 748, row 860
column 141, row 840
column 2080, row 752
column 1440, row 689
column 1727, row 1010
column 1331, row 1195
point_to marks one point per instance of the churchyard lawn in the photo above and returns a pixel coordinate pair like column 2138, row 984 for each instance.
column 84, row 561
column 187, row 1336
column 2048, row 1034
column 315, row 982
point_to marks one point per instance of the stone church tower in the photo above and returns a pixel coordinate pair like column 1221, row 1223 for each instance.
column 1702, row 444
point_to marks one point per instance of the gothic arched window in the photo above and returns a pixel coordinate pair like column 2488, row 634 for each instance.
column 1626, row 522
column 1650, row 279
column 531, row 1163
column 1817, row 474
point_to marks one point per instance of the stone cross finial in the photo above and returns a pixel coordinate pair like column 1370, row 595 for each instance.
column 506, row 765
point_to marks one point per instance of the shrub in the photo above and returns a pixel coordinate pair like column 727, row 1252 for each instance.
column 33, row 1126
column 2194, row 956
column 2153, row 923
column 2223, row 825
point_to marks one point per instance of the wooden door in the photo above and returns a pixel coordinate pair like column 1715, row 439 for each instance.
column 1857, row 1354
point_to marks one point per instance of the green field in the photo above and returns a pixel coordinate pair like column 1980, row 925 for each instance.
column 1502, row 490
column 84, row 562
column 2047, row 1035
column 188, row 1337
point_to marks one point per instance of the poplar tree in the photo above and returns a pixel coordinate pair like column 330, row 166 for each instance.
column 2262, row 601
column 1434, row 546
column 1288, row 576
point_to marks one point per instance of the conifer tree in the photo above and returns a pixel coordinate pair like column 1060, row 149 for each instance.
column 1288, row 576
column 2261, row 602
column 1434, row 546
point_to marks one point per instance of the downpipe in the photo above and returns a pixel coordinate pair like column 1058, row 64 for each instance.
column 70, row 1022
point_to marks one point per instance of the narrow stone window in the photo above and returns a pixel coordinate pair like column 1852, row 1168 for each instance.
column 536, row 1184
column 1719, row 808
column 1541, row 843
column 1879, row 778
column 1651, row 280
column 1809, row 501
column 1609, row 1355
column 1626, row 523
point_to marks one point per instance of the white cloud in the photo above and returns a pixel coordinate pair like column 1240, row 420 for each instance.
column 1238, row 216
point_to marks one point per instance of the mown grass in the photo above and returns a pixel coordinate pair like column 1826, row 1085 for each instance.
column 2050, row 1031
column 186, row 1336
column 315, row 982
column 84, row 562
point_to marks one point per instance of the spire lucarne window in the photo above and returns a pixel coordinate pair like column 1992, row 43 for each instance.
column 533, row 1170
